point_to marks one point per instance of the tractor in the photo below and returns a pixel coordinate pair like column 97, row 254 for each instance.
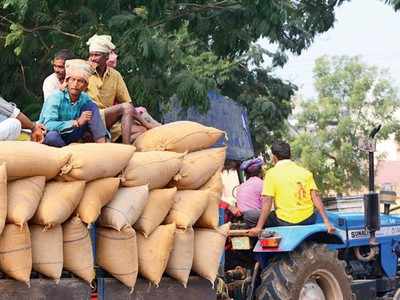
column 358, row 261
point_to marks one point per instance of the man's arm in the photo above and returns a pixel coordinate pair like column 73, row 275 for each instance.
column 265, row 210
column 320, row 207
column 26, row 123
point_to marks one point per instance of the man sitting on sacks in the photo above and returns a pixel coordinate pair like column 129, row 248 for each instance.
column 70, row 114
column 12, row 120
column 108, row 89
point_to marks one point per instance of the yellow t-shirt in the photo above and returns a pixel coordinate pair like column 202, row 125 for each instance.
column 106, row 91
column 290, row 185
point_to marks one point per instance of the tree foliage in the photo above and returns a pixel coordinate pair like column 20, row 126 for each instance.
column 167, row 47
column 352, row 99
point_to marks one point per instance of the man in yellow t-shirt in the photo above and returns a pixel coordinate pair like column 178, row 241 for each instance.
column 292, row 190
column 108, row 90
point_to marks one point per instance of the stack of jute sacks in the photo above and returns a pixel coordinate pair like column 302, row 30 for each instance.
column 41, row 188
column 156, row 208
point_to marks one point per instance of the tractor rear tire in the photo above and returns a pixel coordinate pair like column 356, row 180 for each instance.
column 308, row 272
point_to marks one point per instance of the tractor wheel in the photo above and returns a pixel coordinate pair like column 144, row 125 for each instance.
column 311, row 272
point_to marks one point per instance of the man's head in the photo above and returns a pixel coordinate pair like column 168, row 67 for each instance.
column 59, row 62
column 280, row 150
column 100, row 47
column 77, row 76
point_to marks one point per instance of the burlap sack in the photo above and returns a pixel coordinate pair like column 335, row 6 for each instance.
column 47, row 251
column 198, row 167
column 157, row 207
column 178, row 136
column 117, row 253
column 181, row 258
column 92, row 161
column 154, row 252
column 187, row 209
column 125, row 208
column 16, row 252
column 98, row 193
column 210, row 216
column 26, row 159
column 78, row 252
column 59, row 201
column 3, row 195
column 215, row 183
column 23, row 198
column 155, row 168
column 209, row 245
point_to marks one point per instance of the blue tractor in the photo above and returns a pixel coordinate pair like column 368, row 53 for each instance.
column 359, row 261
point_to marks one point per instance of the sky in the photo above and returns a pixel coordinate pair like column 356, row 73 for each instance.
column 367, row 28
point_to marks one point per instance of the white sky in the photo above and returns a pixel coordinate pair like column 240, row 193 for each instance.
column 368, row 28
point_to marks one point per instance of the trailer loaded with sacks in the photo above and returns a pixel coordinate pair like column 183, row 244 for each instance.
column 113, row 221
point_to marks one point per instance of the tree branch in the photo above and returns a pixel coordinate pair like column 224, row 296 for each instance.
column 196, row 8
column 42, row 28
column 24, row 80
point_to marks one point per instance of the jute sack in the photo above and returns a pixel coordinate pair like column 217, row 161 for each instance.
column 16, row 252
column 210, row 216
column 98, row 193
column 117, row 253
column 198, row 167
column 125, row 208
column 3, row 195
column 92, row 161
column 157, row 207
column 187, row 209
column 59, row 201
column 154, row 252
column 178, row 136
column 47, row 251
column 78, row 252
column 215, row 183
column 209, row 245
column 155, row 168
column 181, row 258
column 26, row 159
column 23, row 198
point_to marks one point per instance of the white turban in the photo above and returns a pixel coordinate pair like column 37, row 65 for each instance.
column 100, row 43
column 79, row 68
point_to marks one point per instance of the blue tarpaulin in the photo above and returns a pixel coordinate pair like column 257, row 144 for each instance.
column 224, row 114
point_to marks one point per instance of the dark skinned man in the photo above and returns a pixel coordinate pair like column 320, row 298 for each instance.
column 108, row 90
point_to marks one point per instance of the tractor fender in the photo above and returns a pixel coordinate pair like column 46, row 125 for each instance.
column 293, row 236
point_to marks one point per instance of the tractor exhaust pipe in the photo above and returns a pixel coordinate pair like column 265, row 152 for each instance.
column 371, row 200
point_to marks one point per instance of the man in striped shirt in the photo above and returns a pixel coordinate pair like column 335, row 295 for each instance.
column 12, row 120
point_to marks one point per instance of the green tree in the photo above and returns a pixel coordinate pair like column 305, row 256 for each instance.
column 167, row 47
column 352, row 98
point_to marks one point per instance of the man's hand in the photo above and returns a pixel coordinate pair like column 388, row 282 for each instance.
column 255, row 231
column 38, row 132
column 330, row 228
column 85, row 117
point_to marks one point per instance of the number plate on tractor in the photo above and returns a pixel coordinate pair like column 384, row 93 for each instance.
column 240, row 243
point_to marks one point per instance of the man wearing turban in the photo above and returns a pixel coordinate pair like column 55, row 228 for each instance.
column 69, row 114
column 108, row 89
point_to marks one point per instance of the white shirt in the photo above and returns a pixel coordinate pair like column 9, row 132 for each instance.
column 50, row 85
